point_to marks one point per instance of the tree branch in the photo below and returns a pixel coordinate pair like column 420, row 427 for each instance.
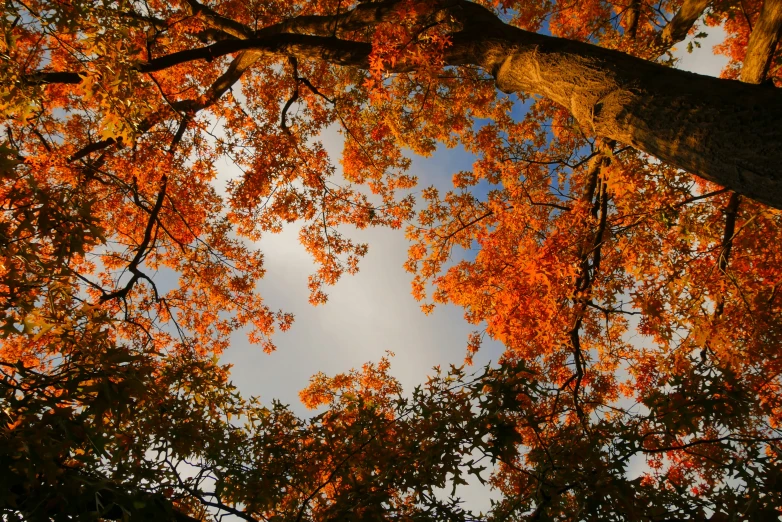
column 332, row 50
column 631, row 20
column 96, row 496
column 363, row 15
column 142, row 250
column 762, row 42
column 219, row 22
column 676, row 30
column 731, row 211
column 726, row 132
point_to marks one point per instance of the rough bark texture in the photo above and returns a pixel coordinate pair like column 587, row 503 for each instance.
column 762, row 42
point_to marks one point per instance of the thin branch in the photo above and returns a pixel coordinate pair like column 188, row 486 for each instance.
column 142, row 251
column 702, row 196
column 340, row 52
column 295, row 96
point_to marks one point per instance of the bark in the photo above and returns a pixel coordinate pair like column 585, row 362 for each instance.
column 762, row 42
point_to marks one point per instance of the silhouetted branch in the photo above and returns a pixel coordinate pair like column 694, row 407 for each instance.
column 142, row 250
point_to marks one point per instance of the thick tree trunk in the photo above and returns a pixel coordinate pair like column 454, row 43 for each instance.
column 722, row 130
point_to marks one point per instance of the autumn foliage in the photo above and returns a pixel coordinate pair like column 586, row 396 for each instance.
column 639, row 304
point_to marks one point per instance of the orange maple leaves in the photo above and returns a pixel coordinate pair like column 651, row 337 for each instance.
column 557, row 244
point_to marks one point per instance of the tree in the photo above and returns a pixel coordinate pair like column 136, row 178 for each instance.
column 116, row 405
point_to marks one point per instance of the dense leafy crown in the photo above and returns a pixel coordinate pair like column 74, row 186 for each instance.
column 117, row 115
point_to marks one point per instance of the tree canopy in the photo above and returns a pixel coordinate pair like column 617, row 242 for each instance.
column 611, row 195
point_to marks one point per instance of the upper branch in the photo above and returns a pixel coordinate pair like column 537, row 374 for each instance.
column 332, row 50
column 762, row 42
column 632, row 16
column 219, row 22
column 727, row 132
column 363, row 15
column 681, row 23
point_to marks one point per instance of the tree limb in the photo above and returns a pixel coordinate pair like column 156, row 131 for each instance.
column 731, row 211
column 762, row 42
column 676, row 30
column 96, row 497
column 219, row 22
column 631, row 21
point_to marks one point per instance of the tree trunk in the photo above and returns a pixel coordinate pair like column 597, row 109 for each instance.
column 722, row 130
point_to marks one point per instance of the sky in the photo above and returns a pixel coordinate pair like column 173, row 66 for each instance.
column 367, row 314
column 373, row 311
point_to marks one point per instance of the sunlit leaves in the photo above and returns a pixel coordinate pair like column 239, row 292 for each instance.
column 638, row 306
